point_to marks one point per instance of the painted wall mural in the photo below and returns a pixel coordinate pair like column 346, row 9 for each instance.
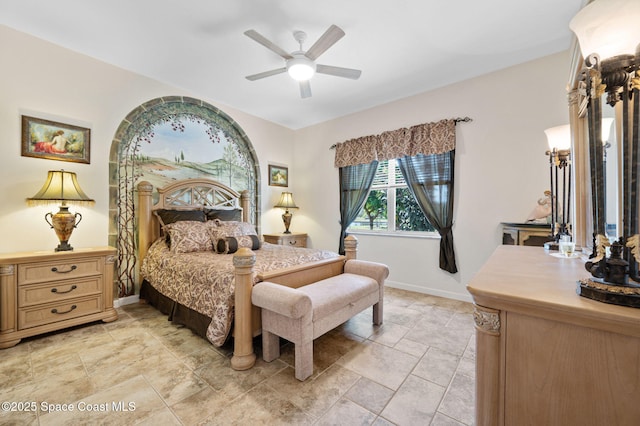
column 190, row 150
column 165, row 140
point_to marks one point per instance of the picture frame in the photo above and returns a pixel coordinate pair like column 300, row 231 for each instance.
column 278, row 175
column 52, row 140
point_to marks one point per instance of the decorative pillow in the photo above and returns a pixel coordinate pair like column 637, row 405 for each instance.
column 231, row 228
column 167, row 216
column 232, row 244
column 223, row 214
column 189, row 236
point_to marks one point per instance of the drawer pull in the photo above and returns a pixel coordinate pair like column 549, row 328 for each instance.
column 73, row 268
column 55, row 290
column 293, row 243
column 55, row 311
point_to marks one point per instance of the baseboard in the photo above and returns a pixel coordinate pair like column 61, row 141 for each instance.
column 430, row 291
column 129, row 300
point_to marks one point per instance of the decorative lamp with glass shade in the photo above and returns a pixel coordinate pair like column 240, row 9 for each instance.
column 286, row 202
column 559, row 140
column 609, row 36
column 61, row 187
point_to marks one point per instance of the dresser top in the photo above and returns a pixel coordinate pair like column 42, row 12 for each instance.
column 45, row 255
column 531, row 281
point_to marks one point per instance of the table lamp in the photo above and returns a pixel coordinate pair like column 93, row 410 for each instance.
column 61, row 187
column 286, row 202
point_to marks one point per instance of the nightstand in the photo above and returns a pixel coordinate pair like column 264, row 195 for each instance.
column 46, row 291
column 294, row 239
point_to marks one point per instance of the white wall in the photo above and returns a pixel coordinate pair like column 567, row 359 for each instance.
column 501, row 168
column 41, row 79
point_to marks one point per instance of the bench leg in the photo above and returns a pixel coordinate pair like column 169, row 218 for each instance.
column 377, row 313
column 270, row 346
column 304, row 360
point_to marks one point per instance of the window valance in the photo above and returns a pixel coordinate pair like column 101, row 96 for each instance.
column 426, row 139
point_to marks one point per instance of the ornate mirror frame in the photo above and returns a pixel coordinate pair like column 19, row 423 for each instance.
column 579, row 148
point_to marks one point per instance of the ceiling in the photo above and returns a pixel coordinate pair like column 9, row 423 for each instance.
column 403, row 47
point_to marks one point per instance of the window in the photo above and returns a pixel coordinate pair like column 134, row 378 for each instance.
column 390, row 206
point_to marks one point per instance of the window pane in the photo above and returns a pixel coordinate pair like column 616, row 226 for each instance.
column 382, row 174
column 373, row 215
column 399, row 178
column 409, row 216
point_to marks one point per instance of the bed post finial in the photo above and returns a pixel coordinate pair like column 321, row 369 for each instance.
column 243, row 355
column 350, row 247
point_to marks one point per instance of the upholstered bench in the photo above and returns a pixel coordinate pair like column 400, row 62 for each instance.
column 302, row 314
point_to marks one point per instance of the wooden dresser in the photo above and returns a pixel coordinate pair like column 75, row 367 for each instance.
column 545, row 355
column 46, row 291
column 295, row 239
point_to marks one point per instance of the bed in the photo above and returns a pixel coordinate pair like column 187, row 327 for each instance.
column 214, row 291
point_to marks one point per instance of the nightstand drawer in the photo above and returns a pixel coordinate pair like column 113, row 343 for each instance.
column 296, row 239
column 31, row 273
column 53, row 312
column 58, row 291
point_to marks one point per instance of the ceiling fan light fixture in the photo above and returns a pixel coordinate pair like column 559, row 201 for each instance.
column 301, row 68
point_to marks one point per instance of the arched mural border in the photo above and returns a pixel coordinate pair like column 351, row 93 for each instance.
column 122, row 175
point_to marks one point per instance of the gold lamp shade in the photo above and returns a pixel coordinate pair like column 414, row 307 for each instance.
column 61, row 187
column 286, row 202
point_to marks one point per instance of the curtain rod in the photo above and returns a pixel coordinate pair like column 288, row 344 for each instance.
column 455, row 120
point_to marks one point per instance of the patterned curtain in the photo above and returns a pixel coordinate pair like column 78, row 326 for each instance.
column 355, row 182
column 427, row 139
column 426, row 154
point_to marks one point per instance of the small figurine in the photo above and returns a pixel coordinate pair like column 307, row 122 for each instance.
column 542, row 210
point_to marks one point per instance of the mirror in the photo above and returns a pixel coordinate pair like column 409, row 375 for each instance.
column 611, row 157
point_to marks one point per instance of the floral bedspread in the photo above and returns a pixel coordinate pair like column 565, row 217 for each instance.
column 204, row 281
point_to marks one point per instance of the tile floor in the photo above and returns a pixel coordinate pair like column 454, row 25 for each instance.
column 416, row 369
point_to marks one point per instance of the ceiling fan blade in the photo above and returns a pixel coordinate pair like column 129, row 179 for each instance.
column 258, row 76
column 338, row 71
column 267, row 43
column 326, row 40
column 305, row 89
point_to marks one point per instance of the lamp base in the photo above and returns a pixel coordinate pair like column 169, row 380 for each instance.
column 623, row 295
column 286, row 218
column 63, row 222
column 64, row 246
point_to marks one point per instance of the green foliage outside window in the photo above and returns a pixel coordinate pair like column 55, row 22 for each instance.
column 376, row 207
column 409, row 216
column 388, row 190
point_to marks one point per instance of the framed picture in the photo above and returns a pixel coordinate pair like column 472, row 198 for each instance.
column 55, row 141
column 278, row 175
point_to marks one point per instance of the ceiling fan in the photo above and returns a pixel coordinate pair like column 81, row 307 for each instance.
column 301, row 64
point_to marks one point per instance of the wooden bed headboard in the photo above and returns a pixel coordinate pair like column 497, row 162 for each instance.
column 188, row 194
